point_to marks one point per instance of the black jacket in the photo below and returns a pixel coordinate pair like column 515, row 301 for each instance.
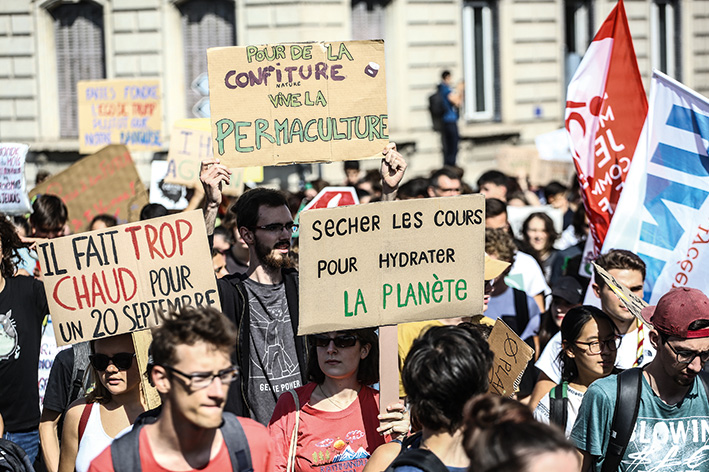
column 235, row 306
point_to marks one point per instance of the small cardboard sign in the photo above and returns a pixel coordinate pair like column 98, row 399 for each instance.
column 120, row 279
column 511, row 358
column 190, row 144
column 632, row 302
column 302, row 102
column 171, row 196
column 105, row 182
column 13, row 193
column 124, row 111
column 391, row 262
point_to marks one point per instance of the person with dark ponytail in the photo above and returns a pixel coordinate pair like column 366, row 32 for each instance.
column 589, row 344
column 502, row 436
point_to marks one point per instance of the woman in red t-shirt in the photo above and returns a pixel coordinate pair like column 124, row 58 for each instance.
column 336, row 418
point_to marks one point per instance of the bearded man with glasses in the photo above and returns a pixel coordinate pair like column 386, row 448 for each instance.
column 669, row 432
column 190, row 366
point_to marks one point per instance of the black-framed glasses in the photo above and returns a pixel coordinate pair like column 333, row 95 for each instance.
column 122, row 361
column 341, row 340
column 595, row 347
column 278, row 227
column 200, row 380
column 686, row 357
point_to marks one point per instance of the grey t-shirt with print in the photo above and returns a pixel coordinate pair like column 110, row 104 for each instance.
column 273, row 362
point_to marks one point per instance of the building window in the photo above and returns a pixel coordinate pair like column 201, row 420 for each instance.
column 664, row 28
column 368, row 19
column 205, row 24
column 480, row 69
column 578, row 34
column 78, row 35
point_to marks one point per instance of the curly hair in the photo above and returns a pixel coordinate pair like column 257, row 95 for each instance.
column 368, row 371
column 11, row 242
column 500, row 243
column 445, row 367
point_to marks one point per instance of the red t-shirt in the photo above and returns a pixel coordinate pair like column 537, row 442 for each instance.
column 260, row 445
column 327, row 440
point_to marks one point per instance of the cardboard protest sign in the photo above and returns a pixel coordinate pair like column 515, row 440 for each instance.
column 124, row 111
column 304, row 102
column 105, row 182
column 13, row 193
column 118, row 280
column 190, row 144
column 525, row 161
column 331, row 197
column 511, row 358
column 391, row 262
column 632, row 302
column 141, row 345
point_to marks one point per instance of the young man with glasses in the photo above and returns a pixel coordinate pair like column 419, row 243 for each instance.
column 445, row 182
column 192, row 371
column 669, row 433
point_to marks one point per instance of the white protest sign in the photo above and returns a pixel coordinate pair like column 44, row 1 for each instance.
column 13, row 192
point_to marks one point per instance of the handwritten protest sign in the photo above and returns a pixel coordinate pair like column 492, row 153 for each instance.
column 306, row 102
column 391, row 262
column 13, row 194
column 632, row 302
column 118, row 280
column 511, row 358
column 125, row 111
column 105, row 182
column 190, row 143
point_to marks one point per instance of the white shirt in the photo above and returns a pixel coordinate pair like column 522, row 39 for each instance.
column 550, row 364
column 541, row 413
column 526, row 275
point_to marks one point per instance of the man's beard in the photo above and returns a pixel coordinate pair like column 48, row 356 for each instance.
column 272, row 258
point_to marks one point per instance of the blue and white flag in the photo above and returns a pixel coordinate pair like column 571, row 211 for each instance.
column 663, row 212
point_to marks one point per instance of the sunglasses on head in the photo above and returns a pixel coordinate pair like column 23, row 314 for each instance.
column 122, row 361
column 341, row 340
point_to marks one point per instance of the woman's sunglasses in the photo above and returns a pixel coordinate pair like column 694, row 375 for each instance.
column 341, row 340
column 122, row 361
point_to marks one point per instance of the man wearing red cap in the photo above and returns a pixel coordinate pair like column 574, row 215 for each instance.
column 671, row 432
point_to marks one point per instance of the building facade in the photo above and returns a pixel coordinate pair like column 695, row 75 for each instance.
column 514, row 56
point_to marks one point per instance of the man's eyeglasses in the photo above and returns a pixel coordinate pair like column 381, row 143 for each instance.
column 201, row 380
column 686, row 357
column 341, row 340
column 122, row 361
column 595, row 347
column 278, row 227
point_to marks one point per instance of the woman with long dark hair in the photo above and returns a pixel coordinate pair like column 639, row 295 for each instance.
column 538, row 233
column 589, row 344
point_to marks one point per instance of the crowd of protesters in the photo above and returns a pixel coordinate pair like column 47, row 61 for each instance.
column 240, row 390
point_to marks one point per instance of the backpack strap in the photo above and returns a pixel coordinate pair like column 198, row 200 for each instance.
column 78, row 369
column 626, row 413
column 125, row 454
column 559, row 405
column 420, row 458
column 83, row 421
column 236, row 443
column 521, row 310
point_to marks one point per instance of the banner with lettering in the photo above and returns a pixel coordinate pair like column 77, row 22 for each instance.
column 303, row 102
column 13, row 193
column 121, row 279
column 605, row 111
column 662, row 214
column 122, row 111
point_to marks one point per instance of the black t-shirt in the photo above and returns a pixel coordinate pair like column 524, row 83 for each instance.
column 56, row 396
column 23, row 306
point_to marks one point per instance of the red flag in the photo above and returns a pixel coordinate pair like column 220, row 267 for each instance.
column 605, row 111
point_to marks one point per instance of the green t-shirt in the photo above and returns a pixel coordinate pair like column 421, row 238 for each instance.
column 665, row 438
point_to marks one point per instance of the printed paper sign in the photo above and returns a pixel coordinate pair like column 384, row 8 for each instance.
column 13, row 193
column 511, row 358
column 391, row 262
column 105, row 182
column 120, row 279
column 305, row 102
column 125, row 111
column 190, row 144
column 171, row 196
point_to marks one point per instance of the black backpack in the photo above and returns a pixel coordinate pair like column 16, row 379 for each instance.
column 626, row 414
column 13, row 458
column 437, row 108
column 559, row 405
column 125, row 453
column 414, row 456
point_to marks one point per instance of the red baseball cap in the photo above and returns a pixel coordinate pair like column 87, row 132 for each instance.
column 676, row 310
